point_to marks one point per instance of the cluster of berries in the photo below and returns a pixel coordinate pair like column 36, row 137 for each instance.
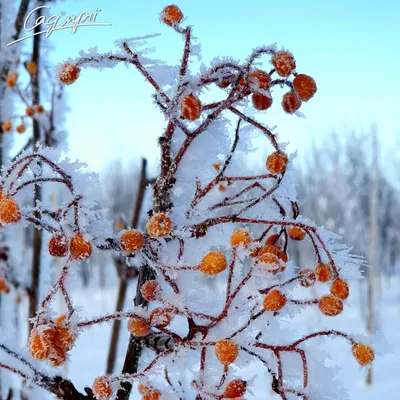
column 52, row 341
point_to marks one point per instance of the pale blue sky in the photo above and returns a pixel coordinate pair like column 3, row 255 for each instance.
column 349, row 46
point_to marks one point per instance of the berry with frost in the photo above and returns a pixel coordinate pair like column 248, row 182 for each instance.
column 240, row 237
column 131, row 241
column 274, row 300
column 290, row 102
column 138, row 327
column 304, row 86
column 284, row 63
column 11, row 79
column 68, row 73
column 340, row 289
column 79, row 248
column 150, row 290
column 235, row 388
column 226, row 351
column 308, row 277
column 330, row 305
column 191, row 107
column 277, row 162
column 21, row 128
column 171, row 15
column 323, row 273
column 261, row 101
column 102, row 388
column 6, row 126
column 159, row 225
column 213, row 263
column 9, row 210
column 58, row 246
column 363, row 354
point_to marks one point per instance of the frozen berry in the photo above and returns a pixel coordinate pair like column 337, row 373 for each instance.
column 213, row 263
column 150, row 290
column 261, row 101
column 161, row 317
column 226, row 351
column 131, row 241
column 21, row 128
column 259, row 80
column 330, row 305
column 40, row 342
column 102, row 388
column 363, row 354
column 159, row 225
column 138, row 327
column 6, row 126
column 274, row 300
column 171, row 15
column 79, row 248
column 39, row 109
column 190, row 107
column 30, row 111
column 241, row 237
column 308, row 277
column 304, row 86
column 152, row 394
column 323, row 273
column 58, row 246
column 235, row 388
column 290, row 102
column 68, row 73
column 277, row 162
column 31, row 67
column 11, row 79
column 296, row 233
column 57, row 356
column 9, row 210
column 340, row 289
column 284, row 63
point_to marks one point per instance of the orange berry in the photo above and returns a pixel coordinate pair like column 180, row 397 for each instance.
column 131, row 241
column 290, row 102
column 39, row 108
column 213, row 263
column 6, row 126
column 221, row 188
column 274, row 300
column 340, row 289
column 259, row 80
column 11, row 79
column 226, row 351
column 68, row 73
column 283, row 256
column 217, row 166
column 4, row 288
column 277, row 162
column 21, row 128
column 304, row 86
column 58, row 246
column 235, row 388
column 284, row 63
column 79, row 248
column 30, row 111
column 142, row 389
column 323, row 273
column 9, row 210
column 138, row 327
column 296, row 233
column 269, row 263
column 161, row 317
column 363, row 354
column 152, row 394
column 150, row 290
column 171, row 15
column 102, row 388
column 57, row 356
column 31, row 67
column 330, row 305
column 40, row 342
column 60, row 320
column 273, row 239
column 307, row 277
column 224, row 83
column 63, row 338
column 190, row 107
column 268, row 248
column 241, row 237
column 261, row 101
column 159, row 225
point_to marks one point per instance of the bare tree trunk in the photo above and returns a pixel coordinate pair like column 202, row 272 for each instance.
column 123, row 285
